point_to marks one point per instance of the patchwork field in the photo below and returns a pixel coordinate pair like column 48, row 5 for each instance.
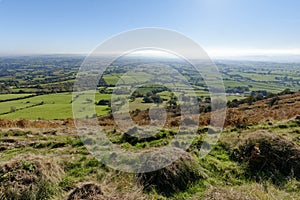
column 43, row 157
column 48, row 106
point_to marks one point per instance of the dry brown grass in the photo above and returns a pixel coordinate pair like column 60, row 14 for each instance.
column 226, row 194
column 87, row 191
column 287, row 107
column 24, row 123
column 29, row 177
column 252, row 191
column 123, row 186
column 172, row 178
column 278, row 158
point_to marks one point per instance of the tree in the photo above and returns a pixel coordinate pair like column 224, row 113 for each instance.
column 103, row 102
column 156, row 99
column 13, row 109
column 147, row 99
column 172, row 103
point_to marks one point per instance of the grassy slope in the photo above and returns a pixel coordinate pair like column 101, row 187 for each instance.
column 223, row 176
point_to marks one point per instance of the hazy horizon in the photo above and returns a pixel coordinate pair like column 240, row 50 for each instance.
column 291, row 58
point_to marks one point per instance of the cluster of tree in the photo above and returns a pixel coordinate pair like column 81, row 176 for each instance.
column 54, row 88
column 204, row 104
column 173, row 102
column 149, row 94
column 198, row 81
column 103, row 102
column 152, row 98
column 238, row 89
column 5, row 89
column 204, row 108
column 102, row 82
column 105, row 90
column 262, row 93
column 6, row 85
column 257, row 96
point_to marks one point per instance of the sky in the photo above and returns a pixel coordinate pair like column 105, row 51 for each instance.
column 221, row 27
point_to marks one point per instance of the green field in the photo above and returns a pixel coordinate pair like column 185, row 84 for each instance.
column 12, row 96
column 54, row 106
column 52, row 78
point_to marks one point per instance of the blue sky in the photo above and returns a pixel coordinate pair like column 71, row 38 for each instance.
column 219, row 26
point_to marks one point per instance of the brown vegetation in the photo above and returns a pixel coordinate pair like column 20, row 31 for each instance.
column 226, row 194
column 172, row 178
column 87, row 191
column 29, row 177
column 286, row 107
column 272, row 155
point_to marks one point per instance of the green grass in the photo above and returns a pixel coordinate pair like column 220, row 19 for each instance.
column 47, row 111
column 18, row 104
column 59, row 106
column 55, row 106
column 256, row 76
column 233, row 83
column 232, row 97
column 12, row 96
column 218, row 170
column 101, row 110
column 111, row 79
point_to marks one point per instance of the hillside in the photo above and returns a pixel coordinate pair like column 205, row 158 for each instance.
column 257, row 157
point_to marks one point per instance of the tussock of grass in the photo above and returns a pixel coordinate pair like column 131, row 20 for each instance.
column 172, row 178
column 29, row 177
column 278, row 158
column 227, row 172
column 87, row 191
